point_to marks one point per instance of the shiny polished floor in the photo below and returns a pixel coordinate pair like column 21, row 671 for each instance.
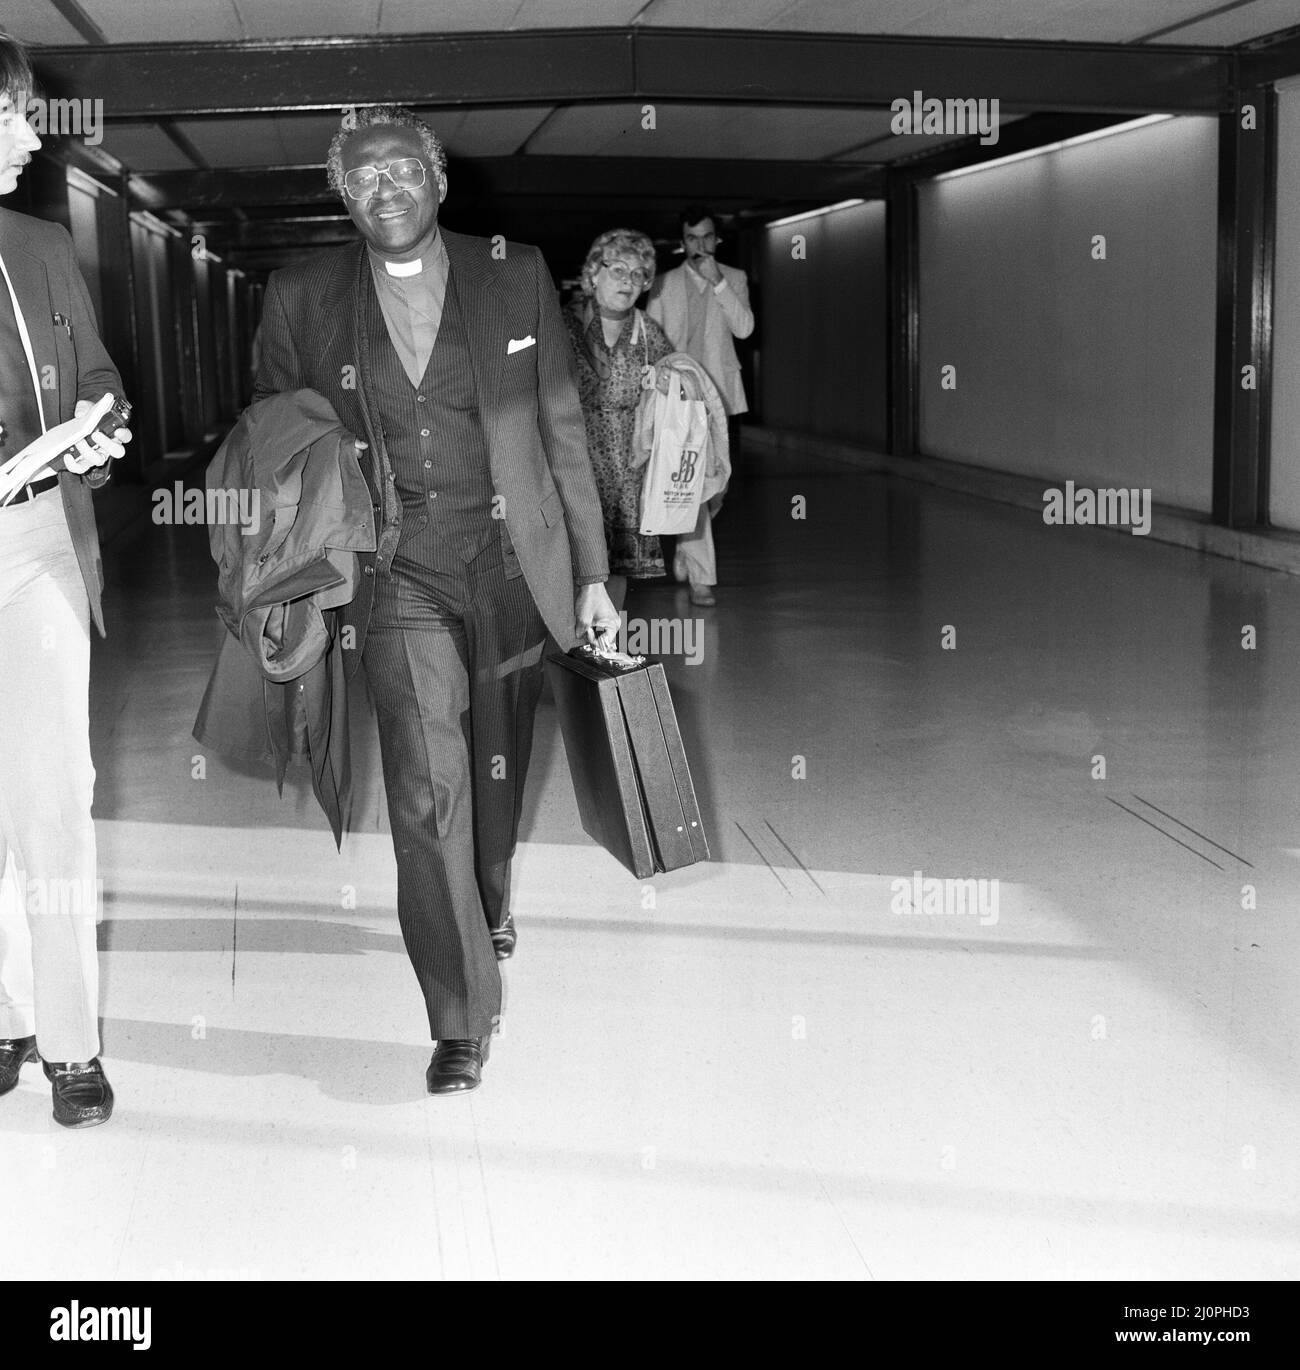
column 759, row 1067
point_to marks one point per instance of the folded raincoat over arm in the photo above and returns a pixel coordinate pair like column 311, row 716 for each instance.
column 693, row 384
column 288, row 512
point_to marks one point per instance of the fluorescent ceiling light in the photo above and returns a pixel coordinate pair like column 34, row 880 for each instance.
column 1056, row 147
column 814, row 213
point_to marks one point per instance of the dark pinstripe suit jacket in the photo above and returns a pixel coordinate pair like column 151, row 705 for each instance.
column 312, row 326
column 47, row 281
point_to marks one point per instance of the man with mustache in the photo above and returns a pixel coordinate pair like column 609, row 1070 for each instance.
column 53, row 368
column 447, row 357
column 703, row 306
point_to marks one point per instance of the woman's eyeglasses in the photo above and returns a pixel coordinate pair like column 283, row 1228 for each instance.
column 407, row 173
column 623, row 274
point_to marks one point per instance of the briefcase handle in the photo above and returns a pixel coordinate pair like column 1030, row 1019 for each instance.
column 607, row 660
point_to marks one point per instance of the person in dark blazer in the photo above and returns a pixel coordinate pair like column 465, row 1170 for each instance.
column 448, row 359
column 53, row 367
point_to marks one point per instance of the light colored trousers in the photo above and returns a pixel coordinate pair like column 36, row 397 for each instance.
column 49, row 971
column 694, row 559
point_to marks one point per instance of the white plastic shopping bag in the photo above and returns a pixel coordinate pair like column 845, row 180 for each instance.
column 674, row 474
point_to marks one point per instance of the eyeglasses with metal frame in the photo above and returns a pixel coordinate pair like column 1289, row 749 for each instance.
column 406, row 173
column 623, row 274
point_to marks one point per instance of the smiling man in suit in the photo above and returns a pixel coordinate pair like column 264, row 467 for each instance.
column 447, row 357
column 53, row 367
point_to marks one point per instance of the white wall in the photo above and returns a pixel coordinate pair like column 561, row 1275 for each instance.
column 1284, row 478
column 1070, row 368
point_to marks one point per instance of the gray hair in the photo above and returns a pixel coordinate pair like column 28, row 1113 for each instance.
column 372, row 116
column 624, row 241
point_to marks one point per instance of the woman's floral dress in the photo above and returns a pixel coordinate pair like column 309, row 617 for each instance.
column 609, row 386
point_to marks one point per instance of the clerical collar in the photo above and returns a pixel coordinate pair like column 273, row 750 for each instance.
column 402, row 269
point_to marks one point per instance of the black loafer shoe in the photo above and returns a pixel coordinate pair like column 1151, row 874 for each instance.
column 457, row 1065
column 15, row 1052
column 504, row 937
column 82, row 1095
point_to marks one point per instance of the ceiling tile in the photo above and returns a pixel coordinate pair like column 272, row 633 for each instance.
column 1116, row 21
column 144, row 148
column 37, row 21
column 887, row 146
column 1237, row 26
column 286, row 140
column 275, row 19
column 714, row 14
column 1098, row 21
column 485, row 132
column 438, row 16
column 1064, row 20
column 179, row 21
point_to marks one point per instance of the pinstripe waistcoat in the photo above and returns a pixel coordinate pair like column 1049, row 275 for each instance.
column 317, row 332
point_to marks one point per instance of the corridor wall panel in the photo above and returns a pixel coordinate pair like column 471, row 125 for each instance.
column 1069, row 366
column 1284, row 477
column 823, row 326
column 83, row 212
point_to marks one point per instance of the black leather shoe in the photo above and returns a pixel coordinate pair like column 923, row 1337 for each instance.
column 15, row 1052
column 503, row 938
column 82, row 1095
column 457, row 1065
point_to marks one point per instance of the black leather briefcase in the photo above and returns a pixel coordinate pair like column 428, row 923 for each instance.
column 630, row 774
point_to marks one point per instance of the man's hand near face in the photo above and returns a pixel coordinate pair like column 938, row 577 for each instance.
column 707, row 267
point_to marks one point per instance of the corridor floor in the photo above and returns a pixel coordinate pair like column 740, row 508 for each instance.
column 780, row 1064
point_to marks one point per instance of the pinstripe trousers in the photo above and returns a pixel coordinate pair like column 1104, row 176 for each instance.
column 453, row 659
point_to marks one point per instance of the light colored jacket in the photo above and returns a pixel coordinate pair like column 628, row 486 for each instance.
column 728, row 316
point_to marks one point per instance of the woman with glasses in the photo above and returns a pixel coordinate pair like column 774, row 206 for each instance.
column 614, row 342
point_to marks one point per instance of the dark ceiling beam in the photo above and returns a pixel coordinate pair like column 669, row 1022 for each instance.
column 153, row 80
column 546, row 178
column 661, row 178
column 247, row 188
column 261, row 235
column 568, row 66
column 842, row 70
column 1273, row 60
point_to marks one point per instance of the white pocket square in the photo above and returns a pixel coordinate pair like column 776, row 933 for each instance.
column 518, row 344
